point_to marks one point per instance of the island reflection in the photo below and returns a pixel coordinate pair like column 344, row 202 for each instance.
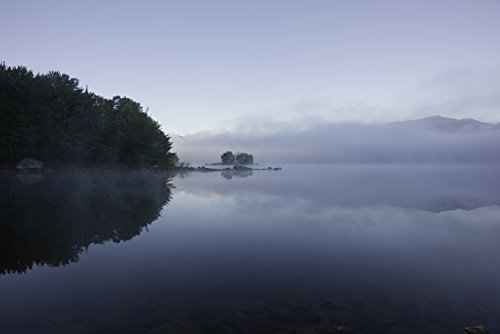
column 51, row 219
column 424, row 188
column 229, row 174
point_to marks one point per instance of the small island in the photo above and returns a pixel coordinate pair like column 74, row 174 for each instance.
column 238, row 161
column 241, row 158
column 228, row 158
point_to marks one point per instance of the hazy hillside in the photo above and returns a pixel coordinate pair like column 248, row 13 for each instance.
column 441, row 123
column 429, row 140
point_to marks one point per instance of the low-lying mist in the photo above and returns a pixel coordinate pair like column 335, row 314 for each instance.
column 430, row 140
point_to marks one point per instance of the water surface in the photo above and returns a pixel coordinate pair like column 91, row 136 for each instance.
column 379, row 249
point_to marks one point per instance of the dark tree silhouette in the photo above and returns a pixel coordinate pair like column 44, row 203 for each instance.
column 244, row 158
column 50, row 118
column 241, row 158
column 228, row 158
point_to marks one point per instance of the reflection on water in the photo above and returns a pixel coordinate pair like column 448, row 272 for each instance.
column 426, row 187
column 309, row 249
column 228, row 174
column 51, row 219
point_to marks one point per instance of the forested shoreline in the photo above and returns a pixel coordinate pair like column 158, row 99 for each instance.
column 51, row 118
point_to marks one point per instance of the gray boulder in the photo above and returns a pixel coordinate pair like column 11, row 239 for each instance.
column 476, row 330
column 30, row 164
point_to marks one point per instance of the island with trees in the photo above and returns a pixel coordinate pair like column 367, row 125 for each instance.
column 235, row 163
column 240, row 158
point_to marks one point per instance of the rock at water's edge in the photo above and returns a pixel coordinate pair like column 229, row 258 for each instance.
column 476, row 330
column 28, row 163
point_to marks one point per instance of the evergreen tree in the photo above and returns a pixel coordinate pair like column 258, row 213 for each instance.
column 244, row 158
column 227, row 158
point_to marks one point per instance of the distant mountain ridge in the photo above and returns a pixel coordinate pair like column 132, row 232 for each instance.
column 446, row 124
column 430, row 140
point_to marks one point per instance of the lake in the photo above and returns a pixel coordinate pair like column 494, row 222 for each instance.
column 310, row 248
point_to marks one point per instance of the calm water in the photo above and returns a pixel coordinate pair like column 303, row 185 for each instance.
column 379, row 249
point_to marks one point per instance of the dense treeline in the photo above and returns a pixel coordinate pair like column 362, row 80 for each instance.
column 241, row 158
column 50, row 118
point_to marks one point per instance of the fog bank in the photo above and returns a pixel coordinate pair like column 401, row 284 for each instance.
column 431, row 140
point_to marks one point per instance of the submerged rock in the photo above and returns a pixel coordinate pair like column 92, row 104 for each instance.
column 334, row 330
column 28, row 163
column 476, row 330
column 343, row 329
column 29, row 178
column 327, row 305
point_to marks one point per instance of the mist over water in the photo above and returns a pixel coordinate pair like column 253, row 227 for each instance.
column 434, row 140
column 379, row 248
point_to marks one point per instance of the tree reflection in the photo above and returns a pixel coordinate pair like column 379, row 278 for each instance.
column 52, row 221
column 228, row 174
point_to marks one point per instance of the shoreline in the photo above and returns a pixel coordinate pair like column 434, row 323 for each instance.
column 63, row 168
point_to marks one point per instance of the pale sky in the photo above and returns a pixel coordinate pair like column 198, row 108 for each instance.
column 204, row 65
